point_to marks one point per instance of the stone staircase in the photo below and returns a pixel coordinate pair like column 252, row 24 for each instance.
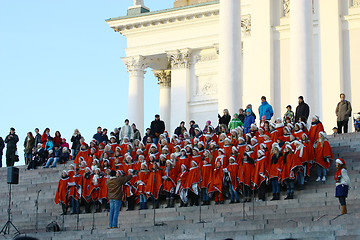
column 313, row 214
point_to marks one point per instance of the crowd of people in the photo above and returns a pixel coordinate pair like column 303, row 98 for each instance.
column 236, row 158
column 229, row 160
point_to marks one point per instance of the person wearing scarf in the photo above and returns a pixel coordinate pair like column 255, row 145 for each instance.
column 342, row 183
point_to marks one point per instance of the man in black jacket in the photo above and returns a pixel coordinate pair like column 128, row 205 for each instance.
column 2, row 146
column 11, row 141
column 302, row 111
column 157, row 127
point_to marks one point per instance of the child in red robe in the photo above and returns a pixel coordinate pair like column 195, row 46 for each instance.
column 192, row 183
column 216, row 184
column 206, row 171
column 180, row 186
column 323, row 156
column 154, row 184
column 62, row 192
column 170, row 174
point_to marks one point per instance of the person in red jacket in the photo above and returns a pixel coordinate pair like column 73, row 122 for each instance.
column 315, row 128
column 62, row 192
column 141, row 180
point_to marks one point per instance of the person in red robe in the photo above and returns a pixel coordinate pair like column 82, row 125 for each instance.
column 291, row 164
column 85, row 186
column 323, row 156
column 315, row 128
column 61, row 195
column 246, row 175
column 154, row 184
column 84, row 153
column 141, row 180
column 180, row 186
column 301, row 153
column 206, row 171
column 94, row 188
column 261, row 175
column 231, row 178
column 129, row 191
column 275, row 170
column 192, row 183
column 74, row 188
column 170, row 174
column 310, row 153
column 216, row 184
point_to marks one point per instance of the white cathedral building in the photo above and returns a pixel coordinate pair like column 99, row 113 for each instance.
column 212, row 55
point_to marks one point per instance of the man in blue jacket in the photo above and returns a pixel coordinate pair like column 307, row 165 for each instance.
column 265, row 109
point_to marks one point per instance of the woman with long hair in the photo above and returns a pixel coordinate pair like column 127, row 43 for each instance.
column 29, row 144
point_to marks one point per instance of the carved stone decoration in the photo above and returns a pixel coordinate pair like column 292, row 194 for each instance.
column 246, row 25
column 179, row 58
column 135, row 65
column 355, row 3
column 164, row 77
column 206, row 58
column 205, row 86
column 286, row 8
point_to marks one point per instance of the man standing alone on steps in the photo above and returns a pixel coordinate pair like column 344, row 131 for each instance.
column 115, row 194
column 11, row 141
column 343, row 113
column 302, row 111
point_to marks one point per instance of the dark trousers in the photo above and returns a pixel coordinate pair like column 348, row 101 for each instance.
column 342, row 124
column 342, row 201
column 262, row 191
column 194, row 199
column 10, row 154
column 131, row 202
column 0, row 160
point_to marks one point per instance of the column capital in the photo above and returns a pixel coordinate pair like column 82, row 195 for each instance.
column 180, row 58
column 164, row 77
column 135, row 65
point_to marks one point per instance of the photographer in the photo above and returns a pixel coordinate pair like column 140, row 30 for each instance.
column 11, row 141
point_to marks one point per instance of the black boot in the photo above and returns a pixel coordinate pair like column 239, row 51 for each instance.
column 172, row 202
column 277, row 196
column 167, row 202
column 288, row 196
column 274, row 197
column 181, row 204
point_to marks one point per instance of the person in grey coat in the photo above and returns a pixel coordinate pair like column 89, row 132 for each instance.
column 343, row 113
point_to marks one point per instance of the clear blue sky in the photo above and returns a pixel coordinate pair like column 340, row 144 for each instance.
column 60, row 67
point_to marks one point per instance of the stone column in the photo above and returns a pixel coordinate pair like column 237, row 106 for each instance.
column 331, row 60
column 164, row 78
column 230, row 56
column 301, row 50
column 136, row 69
column 180, row 82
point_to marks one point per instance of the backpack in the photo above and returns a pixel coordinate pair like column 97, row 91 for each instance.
column 53, row 227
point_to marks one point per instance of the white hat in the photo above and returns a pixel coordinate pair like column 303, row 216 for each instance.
column 222, row 150
column 234, row 148
column 112, row 137
column 340, row 161
column 261, row 152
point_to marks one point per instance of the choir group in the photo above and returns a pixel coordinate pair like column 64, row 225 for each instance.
column 213, row 164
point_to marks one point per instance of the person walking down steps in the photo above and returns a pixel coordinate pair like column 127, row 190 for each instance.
column 342, row 184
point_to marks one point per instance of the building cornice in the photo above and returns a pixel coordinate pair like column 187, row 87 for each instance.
column 122, row 25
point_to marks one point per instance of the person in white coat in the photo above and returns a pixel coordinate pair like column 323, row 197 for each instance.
column 342, row 183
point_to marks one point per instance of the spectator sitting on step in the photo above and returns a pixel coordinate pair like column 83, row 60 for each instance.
column 64, row 144
column 54, row 156
column 64, row 155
